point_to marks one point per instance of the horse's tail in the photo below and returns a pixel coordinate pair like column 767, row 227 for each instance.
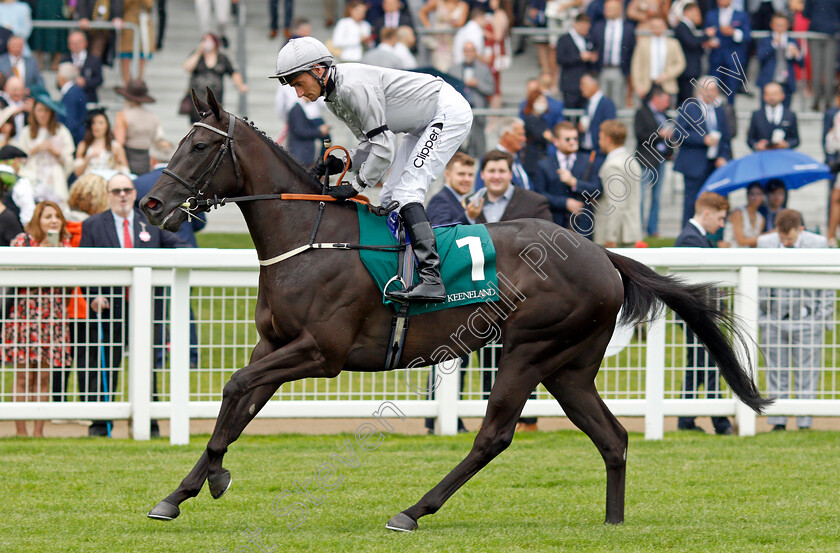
column 644, row 289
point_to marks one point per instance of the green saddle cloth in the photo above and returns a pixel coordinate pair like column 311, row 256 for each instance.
column 468, row 262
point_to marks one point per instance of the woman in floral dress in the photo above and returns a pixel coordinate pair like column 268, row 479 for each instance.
column 36, row 330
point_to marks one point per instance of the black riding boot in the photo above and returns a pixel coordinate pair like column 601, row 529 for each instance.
column 430, row 288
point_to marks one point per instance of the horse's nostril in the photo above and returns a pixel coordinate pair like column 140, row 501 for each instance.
column 152, row 203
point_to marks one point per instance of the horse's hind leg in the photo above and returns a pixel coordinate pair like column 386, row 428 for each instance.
column 508, row 397
column 168, row 508
column 575, row 389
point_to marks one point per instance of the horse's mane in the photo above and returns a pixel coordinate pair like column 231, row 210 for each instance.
column 295, row 166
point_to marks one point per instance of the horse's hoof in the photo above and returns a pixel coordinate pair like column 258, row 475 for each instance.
column 164, row 511
column 220, row 484
column 401, row 522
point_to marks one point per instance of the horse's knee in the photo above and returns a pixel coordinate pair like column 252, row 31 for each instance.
column 493, row 443
column 615, row 458
column 614, row 452
column 234, row 388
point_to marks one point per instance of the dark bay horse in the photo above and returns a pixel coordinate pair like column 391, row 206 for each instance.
column 319, row 313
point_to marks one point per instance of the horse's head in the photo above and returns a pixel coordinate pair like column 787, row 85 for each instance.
column 203, row 167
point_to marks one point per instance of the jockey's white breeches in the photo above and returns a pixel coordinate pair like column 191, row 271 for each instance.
column 422, row 158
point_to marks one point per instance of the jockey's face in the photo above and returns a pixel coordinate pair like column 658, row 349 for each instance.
column 306, row 86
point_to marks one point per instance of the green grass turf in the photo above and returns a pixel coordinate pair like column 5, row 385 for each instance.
column 225, row 240
column 660, row 242
column 689, row 492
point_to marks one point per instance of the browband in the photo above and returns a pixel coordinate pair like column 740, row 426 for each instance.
column 214, row 129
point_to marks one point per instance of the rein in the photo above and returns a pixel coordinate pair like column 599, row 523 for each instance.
column 197, row 189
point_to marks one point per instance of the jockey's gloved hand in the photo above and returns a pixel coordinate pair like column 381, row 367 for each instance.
column 342, row 192
column 333, row 164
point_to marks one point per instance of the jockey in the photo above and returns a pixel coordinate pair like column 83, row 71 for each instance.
column 377, row 103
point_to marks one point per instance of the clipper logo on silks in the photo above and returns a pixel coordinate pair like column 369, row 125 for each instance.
column 428, row 146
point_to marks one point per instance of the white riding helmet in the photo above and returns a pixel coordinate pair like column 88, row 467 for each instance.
column 301, row 55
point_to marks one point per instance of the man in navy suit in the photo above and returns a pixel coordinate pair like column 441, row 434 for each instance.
column 89, row 67
column 777, row 55
column 731, row 29
column 14, row 63
column 706, row 144
column 774, row 126
column 449, row 206
column 575, row 55
column 74, row 100
column 143, row 185
column 709, row 217
column 122, row 226
column 599, row 108
column 568, row 178
column 693, row 49
column 614, row 40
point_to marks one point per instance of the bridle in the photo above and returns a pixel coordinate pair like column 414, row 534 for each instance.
column 197, row 187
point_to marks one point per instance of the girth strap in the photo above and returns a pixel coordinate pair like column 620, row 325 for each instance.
column 328, row 246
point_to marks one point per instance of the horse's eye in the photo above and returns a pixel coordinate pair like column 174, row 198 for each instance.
column 199, row 147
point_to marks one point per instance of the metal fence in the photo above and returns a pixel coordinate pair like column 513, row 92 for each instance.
column 189, row 325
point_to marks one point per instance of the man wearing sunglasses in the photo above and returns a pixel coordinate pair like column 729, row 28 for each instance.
column 569, row 179
column 122, row 226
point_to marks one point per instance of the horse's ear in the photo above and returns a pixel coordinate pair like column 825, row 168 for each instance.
column 200, row 105
column 214, row 104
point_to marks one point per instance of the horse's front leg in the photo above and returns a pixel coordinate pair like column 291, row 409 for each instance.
column 301, row 358
column 168, row 508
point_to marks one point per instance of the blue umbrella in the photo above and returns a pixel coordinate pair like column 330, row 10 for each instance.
column 793, row 168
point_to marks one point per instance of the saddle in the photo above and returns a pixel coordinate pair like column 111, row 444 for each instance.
column 468, row 266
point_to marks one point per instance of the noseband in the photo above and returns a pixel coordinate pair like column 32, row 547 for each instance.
column 198, row 185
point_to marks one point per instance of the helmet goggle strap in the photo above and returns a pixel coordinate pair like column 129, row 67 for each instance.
column 322, row 81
